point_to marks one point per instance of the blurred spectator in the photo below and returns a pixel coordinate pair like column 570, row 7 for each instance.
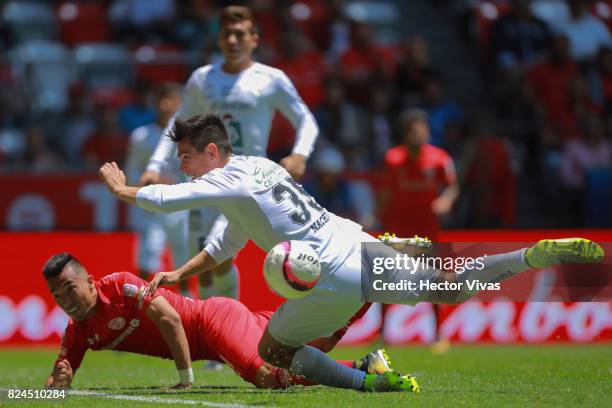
column 582, row 103
column 586, row 33
column 579, row 157
column 440, row 111
column 198, row 26
column 79, row 125
column 349, row 199
column 599, row 77
column 365, row 63
column 550, row 83
column 139, row 112
column 414, row 66
column 304, row 65
column 419, row 183
column 41, row 156
column 488, row 191
column 518, row 37
column 107, row 143
column 379, row 124
column 143, row 20
column 339, row 121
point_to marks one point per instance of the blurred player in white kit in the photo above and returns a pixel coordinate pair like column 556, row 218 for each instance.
column 246, row 95
column 157, row 230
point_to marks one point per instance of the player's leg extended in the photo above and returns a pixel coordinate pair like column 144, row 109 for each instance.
column 328, row 307
column 496, row 268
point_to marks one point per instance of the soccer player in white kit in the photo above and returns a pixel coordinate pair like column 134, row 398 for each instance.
column 262, row 202
column 246, row 95
column 155, row 230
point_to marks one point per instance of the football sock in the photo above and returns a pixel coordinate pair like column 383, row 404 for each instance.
column 496, row 269
column 317, row 367
column 299, row 380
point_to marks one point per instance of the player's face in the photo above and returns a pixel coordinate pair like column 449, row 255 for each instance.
column 417, row 134
column 74, row 293
column 237, row 41
column 194, row 163
column 169, row 104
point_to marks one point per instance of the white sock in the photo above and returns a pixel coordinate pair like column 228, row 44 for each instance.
column 496, row 268
column 227, row 285
column 319, row 368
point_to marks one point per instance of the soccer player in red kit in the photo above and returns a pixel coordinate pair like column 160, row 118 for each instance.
column 419, row 181
column 419, row 185
column 114, row 313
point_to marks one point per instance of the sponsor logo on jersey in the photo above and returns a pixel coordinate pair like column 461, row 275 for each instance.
column 134, row 323
column 130, row 290
column 117, row 323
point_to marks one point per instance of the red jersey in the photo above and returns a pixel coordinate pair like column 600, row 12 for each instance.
column 120, row 323
column 414, row 182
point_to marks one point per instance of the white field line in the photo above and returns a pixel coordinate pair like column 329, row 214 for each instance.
column 159, row 400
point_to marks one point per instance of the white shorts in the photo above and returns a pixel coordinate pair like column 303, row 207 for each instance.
column 328, row 307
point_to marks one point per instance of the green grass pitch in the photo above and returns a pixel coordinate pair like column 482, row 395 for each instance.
column 466, row 376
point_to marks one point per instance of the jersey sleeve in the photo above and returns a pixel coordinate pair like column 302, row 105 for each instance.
column 291, row 105
column 215, row 188
column 126, row 290
column 449, row 175
column 225, row 245
column 192, row 104
column 73, row 346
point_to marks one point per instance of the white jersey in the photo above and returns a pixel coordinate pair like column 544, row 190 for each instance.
column 262, row 203
column 143, row 142
column 246, row 102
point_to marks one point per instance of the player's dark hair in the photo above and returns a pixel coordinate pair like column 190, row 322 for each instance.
column 165, row 89
column 410, row 116
column 238, row 14
column 57, row 263
column 202, row 130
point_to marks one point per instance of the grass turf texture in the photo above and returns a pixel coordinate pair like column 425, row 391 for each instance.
column 494, row 376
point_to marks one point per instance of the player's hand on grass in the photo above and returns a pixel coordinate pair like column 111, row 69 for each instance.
column 112, row 176
column 161, row 279
column 149, row 177
column 295, row 165
column 62, row 375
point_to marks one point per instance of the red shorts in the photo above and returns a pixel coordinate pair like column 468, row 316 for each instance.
column 234, row 333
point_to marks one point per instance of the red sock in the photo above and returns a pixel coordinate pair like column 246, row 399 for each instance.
column 299, row 380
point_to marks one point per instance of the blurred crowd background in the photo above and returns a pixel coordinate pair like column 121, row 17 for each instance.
column 517, row 92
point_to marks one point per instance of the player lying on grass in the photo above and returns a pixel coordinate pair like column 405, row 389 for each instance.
column 263, row 203
column 114, row 313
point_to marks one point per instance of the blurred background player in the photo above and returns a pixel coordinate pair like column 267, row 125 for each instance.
column 246, row 95
column 156, row 230
column 420, row 182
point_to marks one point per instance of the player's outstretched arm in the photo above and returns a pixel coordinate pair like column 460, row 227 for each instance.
column 61, row 377
column 170, row 325
column 114, row 179
column 200, row 263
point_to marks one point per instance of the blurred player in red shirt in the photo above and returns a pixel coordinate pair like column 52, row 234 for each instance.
column 419, row 185
column 419, row 181
column 114, row 313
